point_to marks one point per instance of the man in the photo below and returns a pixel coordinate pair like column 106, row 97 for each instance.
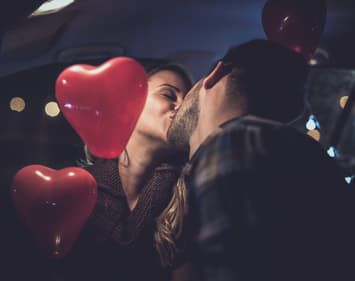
column 266, row 202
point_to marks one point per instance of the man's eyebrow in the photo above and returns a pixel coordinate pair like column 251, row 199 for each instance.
column 170, row 86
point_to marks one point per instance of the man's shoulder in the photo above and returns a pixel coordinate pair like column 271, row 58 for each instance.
column 249, row 134
column 233, row 146
column 249, row 142
column 250, row 120
column 252, row 130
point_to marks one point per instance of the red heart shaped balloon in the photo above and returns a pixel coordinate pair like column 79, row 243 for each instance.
column 296, row 24
column 54, row 205
column 103, row 103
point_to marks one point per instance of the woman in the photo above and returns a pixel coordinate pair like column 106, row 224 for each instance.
column 134, row 228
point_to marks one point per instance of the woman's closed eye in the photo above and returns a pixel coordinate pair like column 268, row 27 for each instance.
column 169, row 95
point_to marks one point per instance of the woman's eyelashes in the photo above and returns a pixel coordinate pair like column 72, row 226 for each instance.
column 170, row 95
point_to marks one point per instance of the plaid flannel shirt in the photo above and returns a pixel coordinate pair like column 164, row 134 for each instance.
column 265, row 203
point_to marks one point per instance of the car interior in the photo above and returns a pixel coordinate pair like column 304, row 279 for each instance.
column 39, row 39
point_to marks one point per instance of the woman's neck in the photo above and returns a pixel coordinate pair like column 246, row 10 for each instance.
column 136, row 165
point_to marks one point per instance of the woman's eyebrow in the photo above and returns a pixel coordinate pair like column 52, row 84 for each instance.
column 171, row 86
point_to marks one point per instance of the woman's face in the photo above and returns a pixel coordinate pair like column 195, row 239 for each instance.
column 166, row 91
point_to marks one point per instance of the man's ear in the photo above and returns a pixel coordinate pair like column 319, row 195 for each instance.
column 217, row 73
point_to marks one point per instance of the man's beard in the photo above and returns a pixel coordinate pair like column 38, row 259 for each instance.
column 185, row 121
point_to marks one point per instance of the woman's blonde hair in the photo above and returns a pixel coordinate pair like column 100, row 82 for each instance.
column 170, row 224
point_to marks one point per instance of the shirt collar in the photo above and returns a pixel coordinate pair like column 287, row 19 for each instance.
column 188, row 166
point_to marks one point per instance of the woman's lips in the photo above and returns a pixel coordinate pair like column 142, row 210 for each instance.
column 173, row 114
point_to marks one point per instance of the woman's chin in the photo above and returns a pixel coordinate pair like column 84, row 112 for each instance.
column 165, row 140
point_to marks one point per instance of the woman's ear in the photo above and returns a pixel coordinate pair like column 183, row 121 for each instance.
column 215, row 75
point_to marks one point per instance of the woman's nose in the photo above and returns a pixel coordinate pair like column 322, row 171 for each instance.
column 177, row 106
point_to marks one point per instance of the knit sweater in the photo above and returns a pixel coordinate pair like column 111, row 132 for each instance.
column 115, row 243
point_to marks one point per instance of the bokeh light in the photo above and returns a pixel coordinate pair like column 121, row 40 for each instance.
column 17, row 104
column 315, row 134
column 343, row 100
column 52, row 109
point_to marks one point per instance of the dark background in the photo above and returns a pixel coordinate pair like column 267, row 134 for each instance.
column 195, row 33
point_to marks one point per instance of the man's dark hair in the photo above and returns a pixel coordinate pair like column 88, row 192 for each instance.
column 271, row 77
